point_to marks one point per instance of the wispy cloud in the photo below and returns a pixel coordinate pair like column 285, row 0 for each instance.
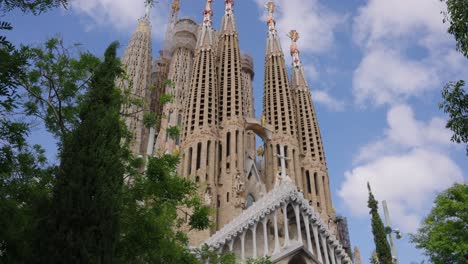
column 121, row 15
column 406, row 167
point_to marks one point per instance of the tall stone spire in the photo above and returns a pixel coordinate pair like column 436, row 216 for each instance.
column 279, row 112
column 172, row 20
column 317, row 184
column 137, row 64
column 200, row 131
column 231, row 118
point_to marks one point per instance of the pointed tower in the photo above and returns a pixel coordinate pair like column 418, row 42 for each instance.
column 181, row 51
column 357, row 256
column 314, row 169
column 231, row 119
column 200, row 129
column 137, row 64
column 282, row 153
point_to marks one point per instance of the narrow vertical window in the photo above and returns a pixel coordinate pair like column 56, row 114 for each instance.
column 309, row 188
column 316, row 185
column 189, row 168
column 228, row 144
column 199, row 148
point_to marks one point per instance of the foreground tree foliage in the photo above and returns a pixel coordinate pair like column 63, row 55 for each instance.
column 382, row 247
column 155, row 206
column 26, row 179
column 443, row 235
column 85, row 214
column 455, row 97
column 456, row 106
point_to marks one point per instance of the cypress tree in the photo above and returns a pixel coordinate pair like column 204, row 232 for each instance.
column 382, row 246
column 84, row 221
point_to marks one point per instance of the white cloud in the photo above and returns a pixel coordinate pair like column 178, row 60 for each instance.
column 384, row 76
column 122, row 15
column 406, row 51
column 315, row 23
column 383, row 20
column 322, row 97
column 407, row 167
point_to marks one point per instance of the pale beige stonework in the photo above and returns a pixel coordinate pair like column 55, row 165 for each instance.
column 213, row 105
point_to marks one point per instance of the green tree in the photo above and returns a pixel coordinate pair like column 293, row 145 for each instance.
column 85, row 214
column 25, row 176
column 55, row 83
column 382, row 246
column 33, row 6
column 157, row 204
column 454, row 94
column 455, row 104
column 444, row 232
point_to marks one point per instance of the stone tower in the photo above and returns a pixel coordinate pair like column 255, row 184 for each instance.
column 181, row 52
column 200, row 130
column 231, row 119
column 282, row 152
column 274, row 201
column 137, row 63
column 313, row 166
column 249, row 102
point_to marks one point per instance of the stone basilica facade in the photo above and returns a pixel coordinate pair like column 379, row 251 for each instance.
column 271, row 198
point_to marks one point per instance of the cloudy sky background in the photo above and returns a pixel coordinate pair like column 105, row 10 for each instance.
column 375, row 68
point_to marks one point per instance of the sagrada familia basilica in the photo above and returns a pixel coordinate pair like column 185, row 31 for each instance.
column 273, row 200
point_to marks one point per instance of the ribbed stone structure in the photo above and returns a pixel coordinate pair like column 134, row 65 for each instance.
column 200, row 130
column 271, row 201
column 137, row 64
column 279, row 112
column 313, row 166
column 231, row 119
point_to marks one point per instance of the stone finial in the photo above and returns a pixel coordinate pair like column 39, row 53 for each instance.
column 208, row 13
column 271, row 7
column 229, row 5
column 148, row 5
column 294, row 36
column 175, row 6
column 357, row 256
column 260, row 151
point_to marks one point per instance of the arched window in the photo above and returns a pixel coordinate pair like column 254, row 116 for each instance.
column 249, row 201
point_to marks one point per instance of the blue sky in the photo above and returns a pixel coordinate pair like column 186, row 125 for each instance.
column 375, row 69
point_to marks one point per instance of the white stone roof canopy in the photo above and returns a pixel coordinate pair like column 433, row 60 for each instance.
column 284, row 194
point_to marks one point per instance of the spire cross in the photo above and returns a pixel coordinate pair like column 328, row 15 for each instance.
column 208, row 13
column 294, row 36
column 271, row 7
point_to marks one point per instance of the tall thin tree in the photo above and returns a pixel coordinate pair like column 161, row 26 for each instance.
column 86, row 203
column 382, row 246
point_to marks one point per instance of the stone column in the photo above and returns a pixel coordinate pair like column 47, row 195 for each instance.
column 298, row 223
column 243, row 246
column 325, row 249
column 307, row 226
column 254, row 239
column 275, row 220
column 286, row 226
column 265, row 237
column 317, row 243
column 332, row 253
column 231, row 244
